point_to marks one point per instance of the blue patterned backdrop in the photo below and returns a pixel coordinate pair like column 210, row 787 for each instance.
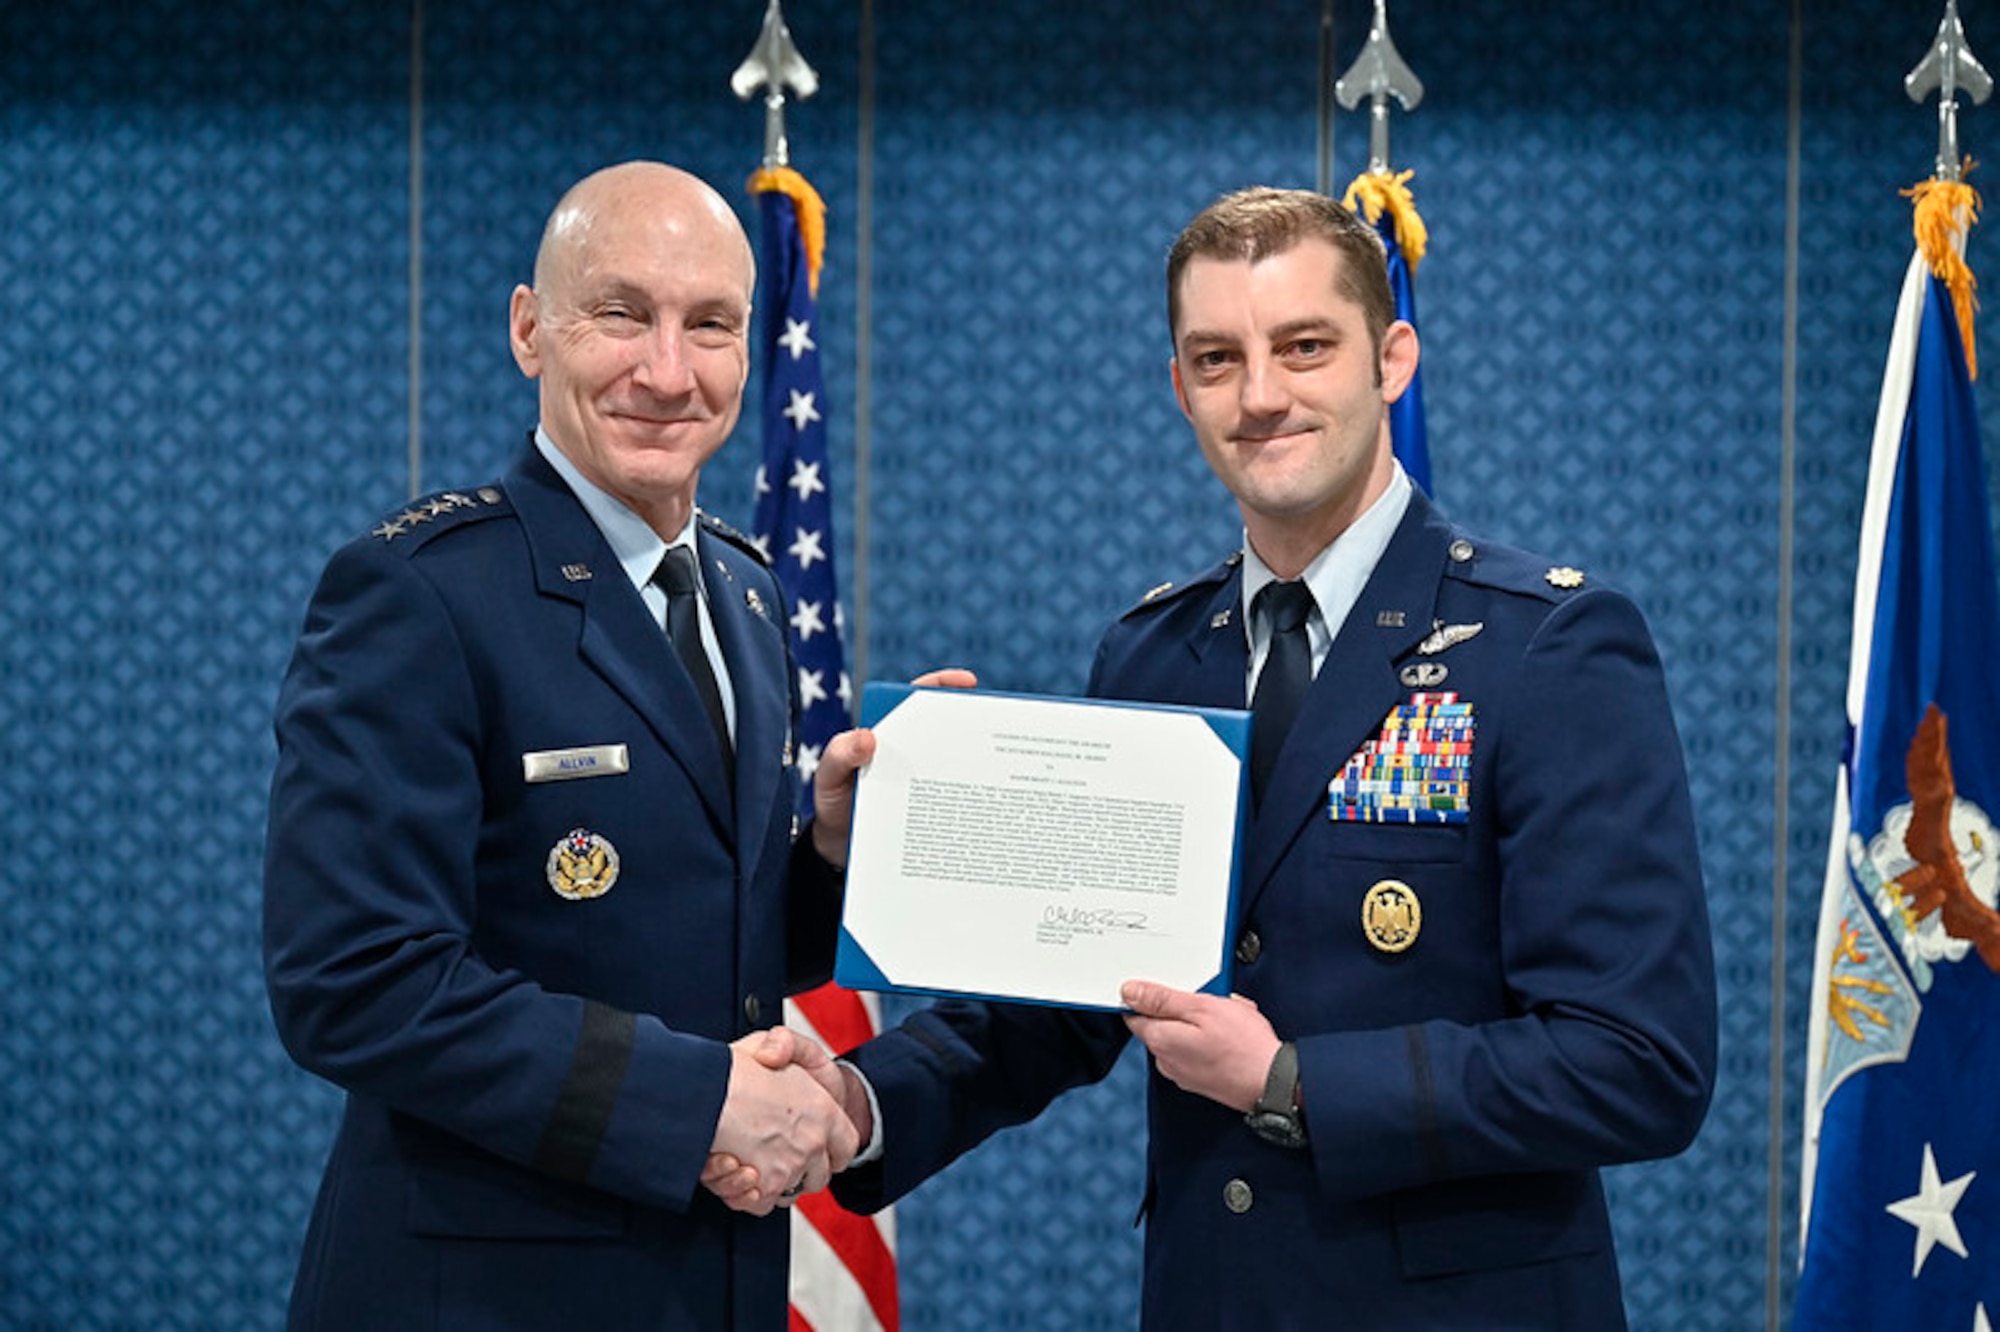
column 207, row 381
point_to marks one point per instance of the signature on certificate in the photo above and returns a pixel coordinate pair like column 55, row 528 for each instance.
column 1059, row 924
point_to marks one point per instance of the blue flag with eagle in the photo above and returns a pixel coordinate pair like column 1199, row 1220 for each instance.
column 1384, row 198
column 1900, row 1189
column 793, row 521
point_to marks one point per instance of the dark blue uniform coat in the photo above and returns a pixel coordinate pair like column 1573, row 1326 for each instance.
column 1556, row 1012
column 533, row 1082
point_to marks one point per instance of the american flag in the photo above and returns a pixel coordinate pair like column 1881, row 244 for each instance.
column 843, row 1266
column 1901, row 1163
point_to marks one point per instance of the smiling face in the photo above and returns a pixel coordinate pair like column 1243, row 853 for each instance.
column 1287, row 393
column 638, row 329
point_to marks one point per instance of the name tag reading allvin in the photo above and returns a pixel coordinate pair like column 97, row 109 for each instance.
column 561, row 765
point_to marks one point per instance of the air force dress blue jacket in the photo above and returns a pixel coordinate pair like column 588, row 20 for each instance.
column 1490, row 1001
column 516, row 910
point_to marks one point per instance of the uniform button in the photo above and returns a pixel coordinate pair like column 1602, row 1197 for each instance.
column 752, row 1010
column 1249, row 948
column 1460, row 551
column 1236, row 1196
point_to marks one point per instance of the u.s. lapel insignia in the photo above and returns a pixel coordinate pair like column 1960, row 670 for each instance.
column 582, row 865
column 755, row 603
column 1423, row 674
column 1220, row 620
column 1444, row 636
column 576, row 573
column 1391, row 916
column 1564, row 577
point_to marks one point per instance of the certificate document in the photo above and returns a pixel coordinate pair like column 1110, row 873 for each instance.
column 1042, row 849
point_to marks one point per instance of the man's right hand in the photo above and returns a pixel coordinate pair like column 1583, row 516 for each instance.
column 781, row 1122
column 738, row 1180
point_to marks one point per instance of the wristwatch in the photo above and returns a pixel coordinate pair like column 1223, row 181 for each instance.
column 1276, row 1118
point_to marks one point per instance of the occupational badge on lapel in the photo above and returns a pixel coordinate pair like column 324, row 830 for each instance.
column 582, row 865
column 1418, row 769
column 1391, row 916
column 1444, row 636
column 1423, row 674
column 1431, row 674
column 755, row 603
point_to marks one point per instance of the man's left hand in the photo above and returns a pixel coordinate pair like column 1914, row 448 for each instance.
column 846, row 754
column 1211, row 1046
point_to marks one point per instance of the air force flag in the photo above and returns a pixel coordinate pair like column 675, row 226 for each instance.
column 1900, row 1195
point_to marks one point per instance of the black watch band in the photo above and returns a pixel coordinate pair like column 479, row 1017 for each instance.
column 1275, row 1117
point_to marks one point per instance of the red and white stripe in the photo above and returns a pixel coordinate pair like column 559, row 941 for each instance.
column 843, row 1265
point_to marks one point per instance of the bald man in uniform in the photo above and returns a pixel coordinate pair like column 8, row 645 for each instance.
column 533, row 886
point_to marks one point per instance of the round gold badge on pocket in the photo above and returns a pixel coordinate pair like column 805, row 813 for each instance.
column 1391, row 916
column 582, row 865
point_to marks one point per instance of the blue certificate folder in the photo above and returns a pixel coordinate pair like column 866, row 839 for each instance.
column 1202, row 960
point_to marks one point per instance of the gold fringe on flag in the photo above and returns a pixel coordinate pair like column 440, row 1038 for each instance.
column 811, row 210
column 1373, row 191
column 1945, row 210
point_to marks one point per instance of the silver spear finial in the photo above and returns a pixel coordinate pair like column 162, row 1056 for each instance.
column 1378, row 74
column 1949, row 69
column 774, row 64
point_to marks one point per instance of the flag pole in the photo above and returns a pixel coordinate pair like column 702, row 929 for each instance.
column 1378, row 74
column 1949, row 67
column 1903, row 1048
column 1383, row 197
column 774, row 64
column 843, row 1266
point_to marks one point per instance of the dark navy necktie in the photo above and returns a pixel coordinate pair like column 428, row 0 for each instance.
column 676, row 574
column 1282, row 684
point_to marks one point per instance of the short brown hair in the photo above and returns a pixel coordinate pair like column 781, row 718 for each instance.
column 1260, row 221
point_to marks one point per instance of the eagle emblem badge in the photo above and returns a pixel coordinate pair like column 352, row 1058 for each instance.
column 582, row 865
column 1391, row 916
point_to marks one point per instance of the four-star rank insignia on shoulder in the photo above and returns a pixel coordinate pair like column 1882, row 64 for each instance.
column 444, row 504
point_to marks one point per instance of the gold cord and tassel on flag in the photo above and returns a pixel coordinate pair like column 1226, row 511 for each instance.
column 1373, row 193
column 1944, row 211
column 806, row 203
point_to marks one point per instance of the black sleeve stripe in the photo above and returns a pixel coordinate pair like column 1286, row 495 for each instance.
column 1425, row 1097
column 583, row 1109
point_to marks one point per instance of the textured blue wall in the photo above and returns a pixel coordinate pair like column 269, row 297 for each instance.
column 205, row 384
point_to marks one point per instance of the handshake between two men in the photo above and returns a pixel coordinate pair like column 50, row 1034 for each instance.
column 794, row 1117
column 793, row 1120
